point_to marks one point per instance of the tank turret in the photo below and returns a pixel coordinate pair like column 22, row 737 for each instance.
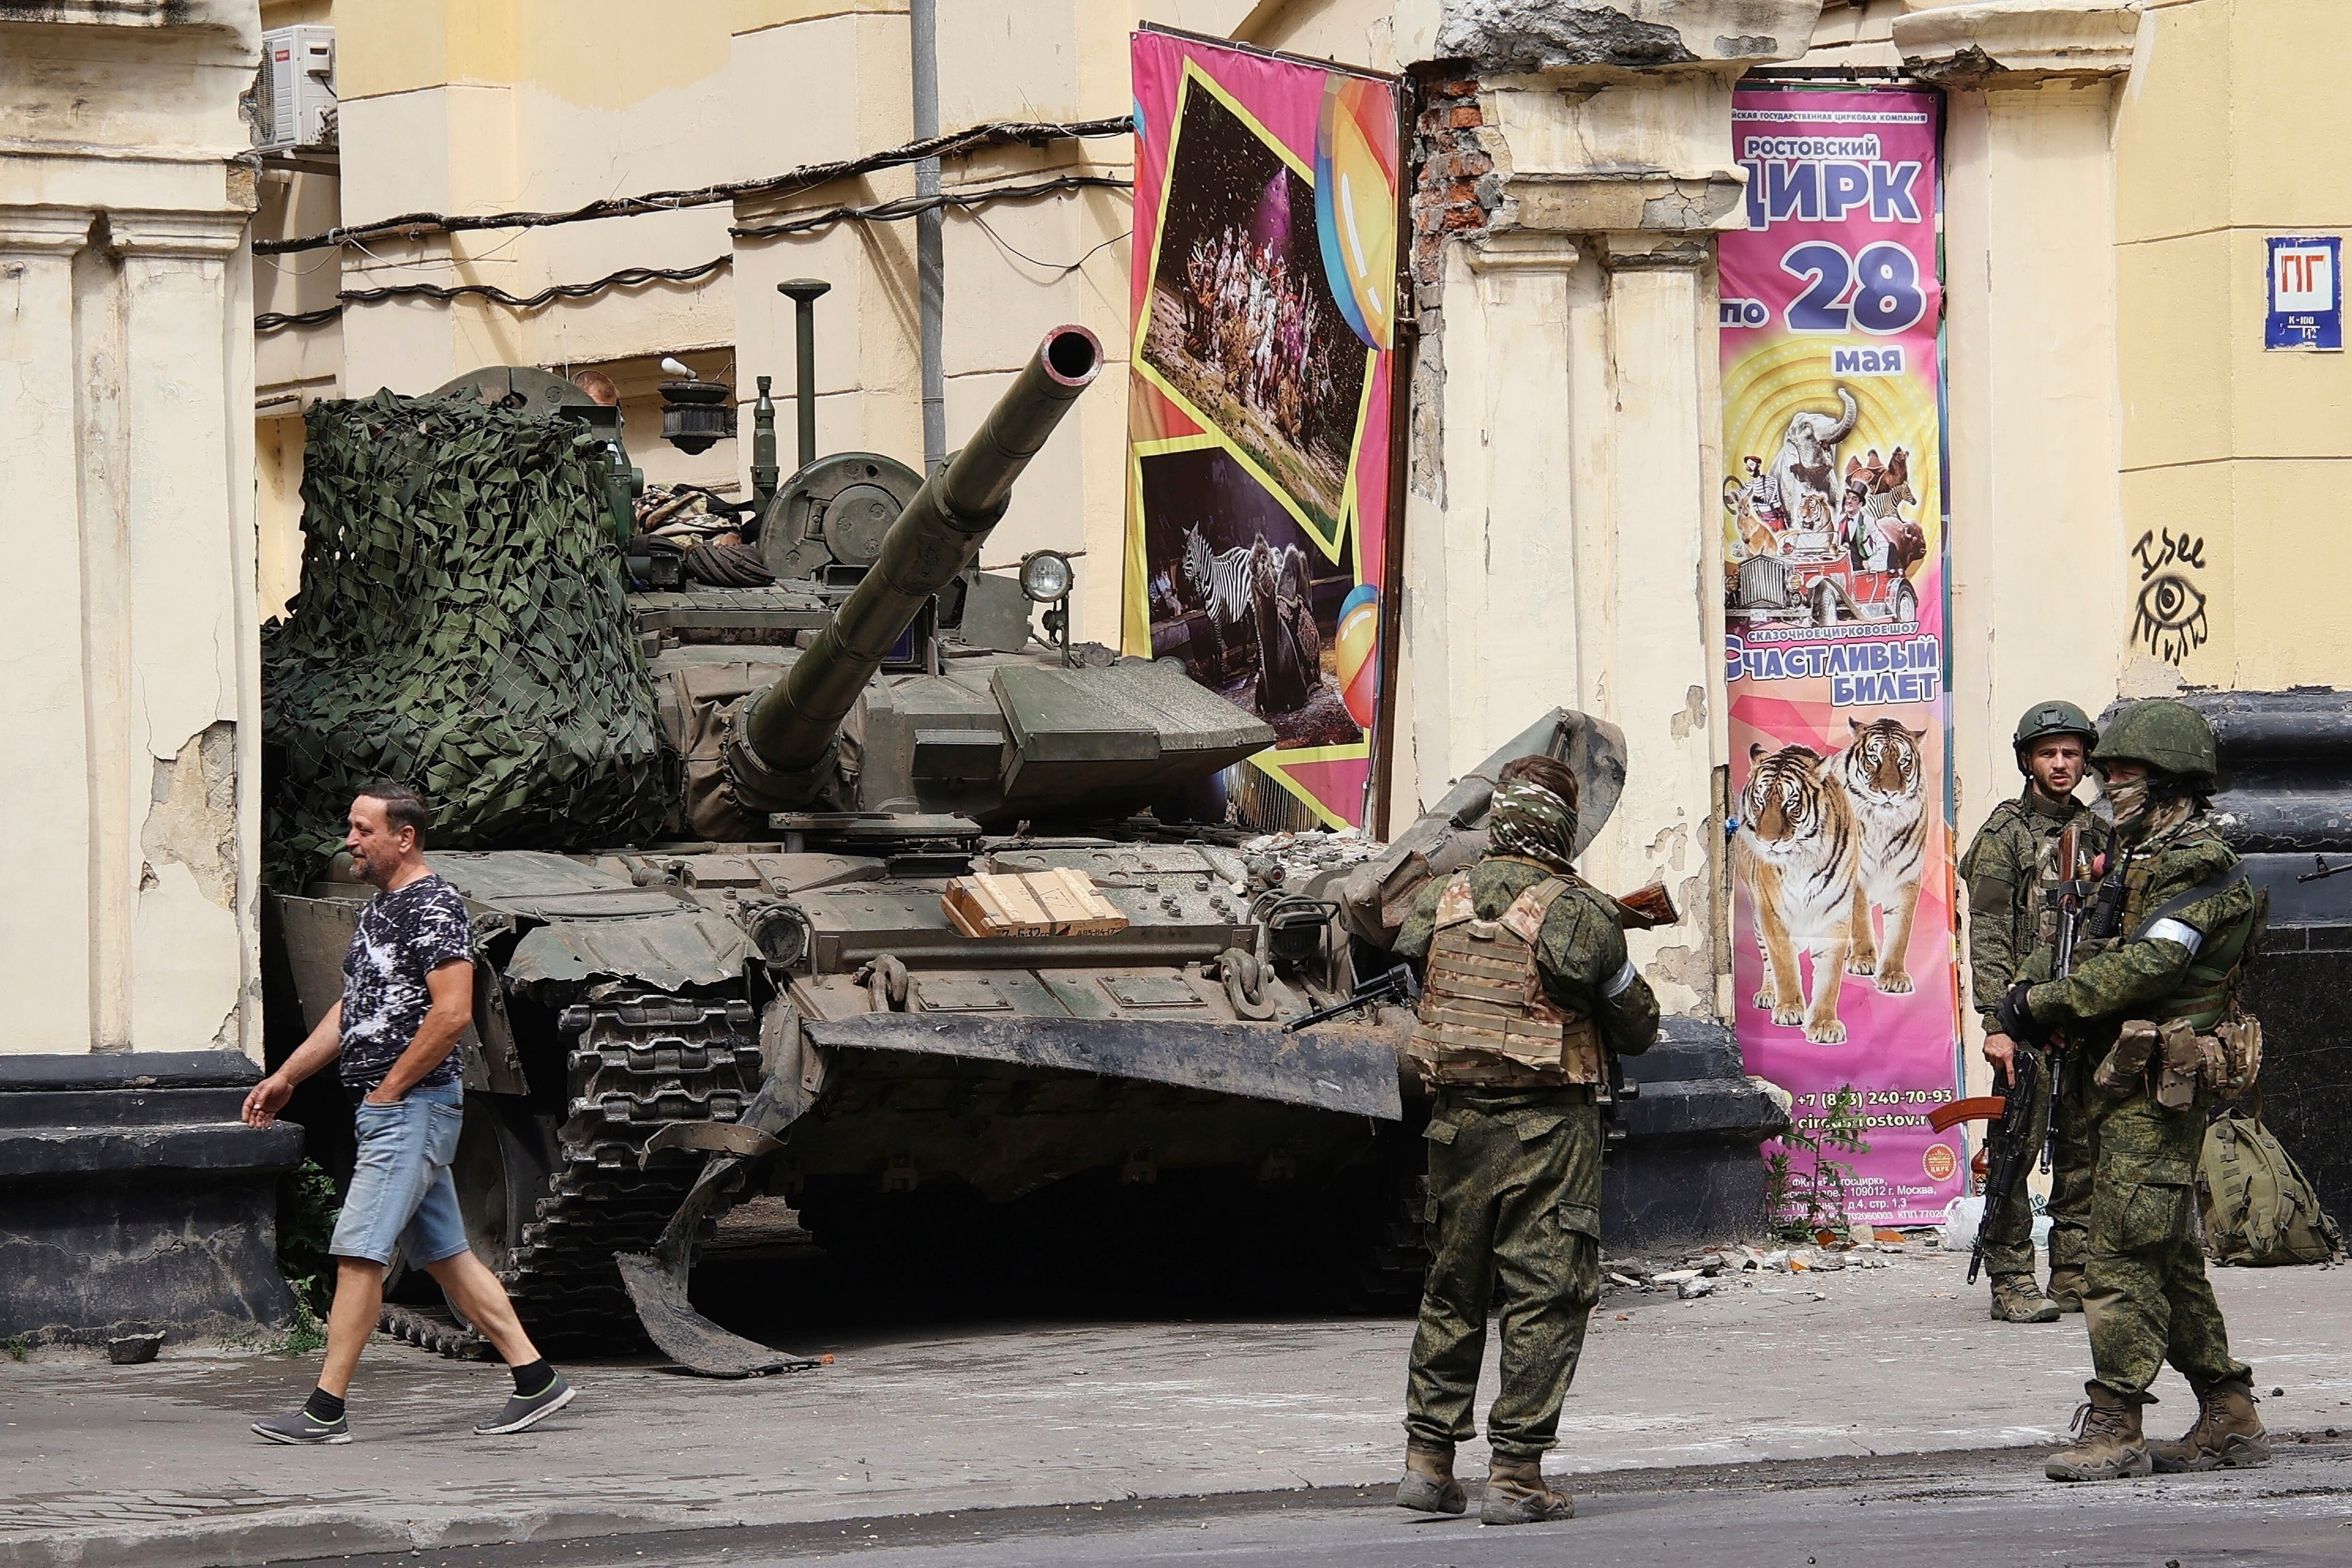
column 782, row 742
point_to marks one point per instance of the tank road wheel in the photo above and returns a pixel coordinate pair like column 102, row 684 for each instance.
column 504, row 1157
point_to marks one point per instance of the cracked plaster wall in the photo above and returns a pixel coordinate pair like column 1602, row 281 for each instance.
column 1570, row 166
column 129, row 685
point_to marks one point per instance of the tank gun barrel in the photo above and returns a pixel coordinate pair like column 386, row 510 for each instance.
column 784, row 733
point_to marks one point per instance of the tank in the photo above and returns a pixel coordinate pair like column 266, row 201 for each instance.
column 877, row 756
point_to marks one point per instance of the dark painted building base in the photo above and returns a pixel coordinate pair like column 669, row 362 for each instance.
column 132, row 1199
column 2286, row 805
column 2301, row 988
column 1687, row 1172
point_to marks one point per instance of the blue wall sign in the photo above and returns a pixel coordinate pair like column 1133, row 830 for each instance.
column 2305, row 281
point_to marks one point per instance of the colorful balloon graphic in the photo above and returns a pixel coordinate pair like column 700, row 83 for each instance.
column 1355, row 202
column 1357, row 647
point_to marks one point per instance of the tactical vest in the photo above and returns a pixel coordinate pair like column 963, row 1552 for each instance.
column 2206, row 992
column 1483, row 1018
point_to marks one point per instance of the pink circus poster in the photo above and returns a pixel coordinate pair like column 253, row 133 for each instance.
column 1259, row 435
column 1834, row 572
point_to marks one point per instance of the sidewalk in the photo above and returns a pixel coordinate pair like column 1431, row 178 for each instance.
column 153, row 1465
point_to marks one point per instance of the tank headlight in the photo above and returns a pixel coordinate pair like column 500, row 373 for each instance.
column 1045, row 575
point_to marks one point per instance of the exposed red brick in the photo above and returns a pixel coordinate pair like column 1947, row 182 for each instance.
column 1463, row 114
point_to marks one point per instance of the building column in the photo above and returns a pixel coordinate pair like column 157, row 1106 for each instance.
column 190, row 723
column 131, row 1197
column 1565, row 550
column 45, row 954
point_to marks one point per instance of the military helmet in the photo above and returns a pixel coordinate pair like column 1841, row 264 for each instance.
column 2053, row 719
column 2164, row 734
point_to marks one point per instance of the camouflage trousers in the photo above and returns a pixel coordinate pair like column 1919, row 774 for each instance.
column 2145, row 1294
column 1515, row 1197
column 2008, row 1248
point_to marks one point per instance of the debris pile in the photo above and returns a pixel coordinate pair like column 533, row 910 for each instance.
column 1706, row 1269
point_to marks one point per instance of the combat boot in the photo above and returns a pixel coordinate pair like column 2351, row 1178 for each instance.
column 1515, row 1494
column 2107, row 1446
column 2228, row 1434
column 2066, row 1289
column 1429, row 1486
column 2016, row 1300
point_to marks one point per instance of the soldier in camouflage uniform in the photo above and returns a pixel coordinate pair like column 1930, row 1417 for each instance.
column 2171, row 925
column 2010, row 870
column 1527, row 985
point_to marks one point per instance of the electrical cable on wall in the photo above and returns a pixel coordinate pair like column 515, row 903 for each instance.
column 415, row 226
column 896, row 210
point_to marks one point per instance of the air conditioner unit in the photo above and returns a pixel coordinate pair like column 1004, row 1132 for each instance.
column 296, row 104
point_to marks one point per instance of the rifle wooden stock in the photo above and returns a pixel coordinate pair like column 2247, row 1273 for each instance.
column 1983, row 1108
column 1646, row 908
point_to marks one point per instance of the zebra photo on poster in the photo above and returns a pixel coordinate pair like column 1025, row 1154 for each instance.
column 1263, row 283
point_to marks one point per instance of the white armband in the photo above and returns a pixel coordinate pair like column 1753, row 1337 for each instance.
column 1627, row 975
column 2181, row 932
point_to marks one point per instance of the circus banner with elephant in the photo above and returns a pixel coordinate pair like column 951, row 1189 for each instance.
column 1264, row 293
column 1834, row 523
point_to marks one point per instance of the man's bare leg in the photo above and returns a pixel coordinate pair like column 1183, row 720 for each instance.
column 359, row 1303
column 474, row 1290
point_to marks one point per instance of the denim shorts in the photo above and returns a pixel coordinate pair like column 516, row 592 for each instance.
column 401, row 1191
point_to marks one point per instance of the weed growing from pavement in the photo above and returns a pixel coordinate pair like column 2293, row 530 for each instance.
column 308, row 1204
column 1799, row 1203
column 308, row 1333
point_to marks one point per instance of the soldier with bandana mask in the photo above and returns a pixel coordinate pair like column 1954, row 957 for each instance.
column 2151, row 993
column 1526, row 983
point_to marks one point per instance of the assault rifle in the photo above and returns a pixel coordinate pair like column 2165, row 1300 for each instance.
column 2070, row 897
column 2009, row 1147
column 1398, row 985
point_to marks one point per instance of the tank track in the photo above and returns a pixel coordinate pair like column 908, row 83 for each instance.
column 633, row 1064
column 433, row 1328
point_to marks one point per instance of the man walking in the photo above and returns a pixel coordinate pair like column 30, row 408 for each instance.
column 2175, row 918
column 1527, row 985
column 408, row 986
column 2011, row 869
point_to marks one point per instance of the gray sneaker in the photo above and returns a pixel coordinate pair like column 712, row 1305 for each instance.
column 520, row 1412
column 301, row 1426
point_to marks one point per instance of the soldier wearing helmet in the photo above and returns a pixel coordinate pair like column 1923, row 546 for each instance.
column 2011, row 868
column 2153, row 999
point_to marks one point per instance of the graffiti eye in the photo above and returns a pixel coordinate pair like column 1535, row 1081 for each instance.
column 2170, row 603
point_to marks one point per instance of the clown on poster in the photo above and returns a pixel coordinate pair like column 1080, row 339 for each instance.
column 1844, row 958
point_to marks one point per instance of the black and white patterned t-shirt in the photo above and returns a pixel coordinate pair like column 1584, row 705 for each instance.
column 404, row 936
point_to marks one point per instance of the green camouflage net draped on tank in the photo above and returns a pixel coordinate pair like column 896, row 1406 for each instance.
column 461, row 627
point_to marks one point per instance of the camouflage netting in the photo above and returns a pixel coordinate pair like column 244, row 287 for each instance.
column 460, row 626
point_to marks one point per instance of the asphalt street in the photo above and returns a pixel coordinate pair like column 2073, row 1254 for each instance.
column 1688, row 1435
column 1959, row 1510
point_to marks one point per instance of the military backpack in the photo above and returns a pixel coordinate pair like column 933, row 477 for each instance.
column 2257, row 1206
